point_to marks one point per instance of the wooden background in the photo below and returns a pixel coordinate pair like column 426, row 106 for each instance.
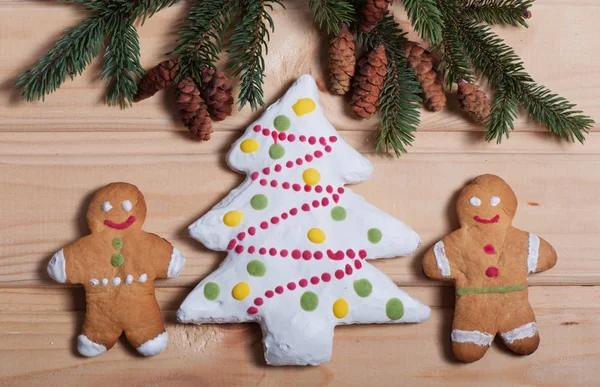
column 53, row 155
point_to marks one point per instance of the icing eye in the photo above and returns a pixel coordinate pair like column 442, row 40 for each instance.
column 106, row 206
column 475, row 201
column 494, row 201
column 127, row 206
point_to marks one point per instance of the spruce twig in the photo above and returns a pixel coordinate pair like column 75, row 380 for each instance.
column 506, row 12
column 331, row 13
column 425, row 18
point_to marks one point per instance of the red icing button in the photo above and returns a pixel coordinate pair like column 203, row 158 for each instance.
column 492, row 272
column 489, row 249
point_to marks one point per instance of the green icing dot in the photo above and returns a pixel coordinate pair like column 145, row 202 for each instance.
column 363, row 287
column 276, row 151
column 259, row 202
column 374, row 235
column 309, row 301
column 211, row 291
column 256, row 268
column 117, row 260
column 338, row 213
column 394, row 309
column 117, row 243
column 282, row 123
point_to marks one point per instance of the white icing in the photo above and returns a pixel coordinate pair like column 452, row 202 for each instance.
column 176, row 264
column 57, row 267
column 475, row 201
column 88, row 348
column 106, row 206
column 129, row 279
column 520, row 333
column 441, row 259
column 533, row 252
column 94, row 282
column 154, row 346
column 104, row 282
column 143, row 278
column 126, row 205
column 291, row 335
column 494, row 201
column 481, row 339
column 116, row 281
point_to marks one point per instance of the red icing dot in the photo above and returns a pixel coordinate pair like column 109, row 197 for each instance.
column 274, row 135
column 282, row 136
column 263, row 182
column 318, row 188
column 339, row 255
column 322, row 141
column 277, row 168
column 258, row 301
column 306, row 255
column 489, row 249
column 252, row 310
column 299, row 161
column 357, row 264
column 293, row 211
column 327, row 149
column 329, row 189
column 286, row 185
column 312, row 140
column 492, row 272
column 272, row 252
column 339, row 274
column 318, row 255
column 289, row 164
column 254, row 175
column 251, row 230
column 325, row 202
column 314, row 280
column 273, row 183
column 307, row 188
column 269, row 294
column 362, row 254
column 266, row 132
column 318, row 154
column 231, row 244
column 316, row 203
column 302, row 138
column 251, row 249
column 332, row 138
column 296, row 254
column 303, row 283
column 266, row 171
column 262, row 251
column 291, row 138
column 341, row 190
column 257, row 128
column 279, row 289
column 291, row 286
column 241, row 236
column 264, row 225
column 305, row 207
column 296, row 187
column 239, row 249
column 326, row 277
column 274, row 220
column 284, row 253
column 308, row 158
column 348, row 269
column 336, row 198
column 284, row 216
column 350, row 253
column 330, row 254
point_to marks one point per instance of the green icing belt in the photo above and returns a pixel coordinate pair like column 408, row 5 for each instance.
column 505, row 289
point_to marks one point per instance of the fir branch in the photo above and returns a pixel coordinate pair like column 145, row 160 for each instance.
column 506, row 12
column 122, row 67
column 454, row 65
column 425, row 18
column 332, row 13
column 247, row 47
column 504, row 112
column 69, row 56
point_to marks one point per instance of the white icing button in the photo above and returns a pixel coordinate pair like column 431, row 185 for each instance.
column 129, row 279
column 106, row 206
column 94, row 282
column 143, row 278
column 494, row 201
column 104, row 282
column 127, row 206
column 116, row 281
column 475, row 201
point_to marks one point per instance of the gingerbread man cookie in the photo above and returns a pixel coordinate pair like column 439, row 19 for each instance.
column 489, row 260
column 117, row 265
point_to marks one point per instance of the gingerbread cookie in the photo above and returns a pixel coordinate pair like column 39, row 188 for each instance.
column 489, row 260
column 298, row 241
column 117, row 265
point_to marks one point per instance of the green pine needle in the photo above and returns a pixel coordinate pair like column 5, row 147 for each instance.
column 425, row 18
column 503, row 12
column 504, row 112
column 332, row 13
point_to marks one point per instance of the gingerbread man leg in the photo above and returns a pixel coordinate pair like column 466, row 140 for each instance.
column 144, row 327
column 473, row 329
column 518, row 329
column 100, row 332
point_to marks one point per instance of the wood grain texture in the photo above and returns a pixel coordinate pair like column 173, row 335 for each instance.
column 54, row 155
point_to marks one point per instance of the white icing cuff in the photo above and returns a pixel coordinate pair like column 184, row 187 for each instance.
column 481, row 339
column 154, row 346
column 533, row 253
column 176, row 264
column 520, row 333
column 88, row 348
column 442, row 260
column 56, row 267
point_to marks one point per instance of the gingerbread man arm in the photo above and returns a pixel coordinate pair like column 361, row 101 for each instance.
column 168, row 260
column 541, row 256
column 69, row 263
column 442, row 261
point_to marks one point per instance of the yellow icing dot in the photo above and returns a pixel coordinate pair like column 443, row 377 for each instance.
column 249, row 145
column 316, row 235
column 340, row 308
column 233, row 218
column 240, row 291
column 304, row 106
column 311, row 176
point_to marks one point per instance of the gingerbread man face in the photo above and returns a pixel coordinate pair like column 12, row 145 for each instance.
column 118, row 206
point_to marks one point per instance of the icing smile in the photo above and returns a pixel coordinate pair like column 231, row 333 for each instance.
column 487, row 221
column 120, row 226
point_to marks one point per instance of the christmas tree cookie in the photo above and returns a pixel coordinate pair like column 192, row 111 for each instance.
column 297, row 240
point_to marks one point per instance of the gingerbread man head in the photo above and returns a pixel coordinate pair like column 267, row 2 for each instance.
column 117, row 206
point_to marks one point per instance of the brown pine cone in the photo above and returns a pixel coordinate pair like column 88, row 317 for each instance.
column 474, row 101
column 421, row 62
column 193, row 110
column 216, row 91
column 342, row 61
column 368, row 82
column 157, row 79
column 372, row 13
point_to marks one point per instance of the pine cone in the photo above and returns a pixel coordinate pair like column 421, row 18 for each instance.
column 216, row 91
column 157, row 79
column 368, row 82
column 342, row 61
column 474, row 101
column 421, row 62
column 193, row 110
column 372, row 13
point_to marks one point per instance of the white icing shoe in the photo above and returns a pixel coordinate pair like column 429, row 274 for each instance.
column 56, row 267
column 154, row 346
column 88, row 348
